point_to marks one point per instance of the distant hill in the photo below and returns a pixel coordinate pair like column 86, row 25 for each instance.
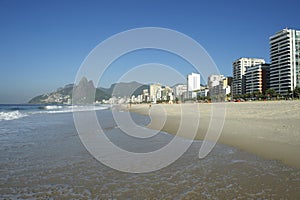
column 125, row 89
column 84, row 94
column 61, row 95
column 85, row 91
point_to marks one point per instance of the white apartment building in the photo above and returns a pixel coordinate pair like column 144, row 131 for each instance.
column 179, row 90
column 239, row 69
column 219, row 86
column 215, row 84
column 285, row 63
column 193, row 85
column 155, row 92
column 214, row 80
column 145, row 95
column 167, row 93
column 193, row 82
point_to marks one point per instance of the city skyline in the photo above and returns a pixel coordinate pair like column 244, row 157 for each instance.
column 43, row 44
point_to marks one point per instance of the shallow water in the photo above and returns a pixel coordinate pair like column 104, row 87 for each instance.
column 42, row 157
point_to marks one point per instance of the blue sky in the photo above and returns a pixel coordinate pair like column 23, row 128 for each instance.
column 43, row 43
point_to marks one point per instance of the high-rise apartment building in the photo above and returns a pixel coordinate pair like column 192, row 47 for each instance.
column 193, row 85
column 285, row 61
column 193, row 82
column 239, row 69
column 214, row 80
column 257, row 78
column 215, row 84
column 219, row 87
column 227, row 82
column 180, row 90
column 155, row 92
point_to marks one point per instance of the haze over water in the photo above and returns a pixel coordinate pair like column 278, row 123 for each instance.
column 42, row 157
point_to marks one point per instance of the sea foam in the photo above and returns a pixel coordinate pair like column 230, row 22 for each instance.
column 11, row 115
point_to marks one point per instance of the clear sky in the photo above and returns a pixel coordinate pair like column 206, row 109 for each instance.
column 43, row 43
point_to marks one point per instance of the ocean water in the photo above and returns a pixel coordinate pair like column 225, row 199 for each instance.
column 42, row 157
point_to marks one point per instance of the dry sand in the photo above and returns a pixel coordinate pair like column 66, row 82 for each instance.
column 268, row 129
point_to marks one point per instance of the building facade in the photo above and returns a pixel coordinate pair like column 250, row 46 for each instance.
column 167, row 93
column 215, row 84
column 219, row 87
column 239, row 69
column 284, row 55
column 145, row 95
column 180, row 91
column 155, row 92
column 257, row 78
column 193, row 85
column 227, row 83
column 193, row 82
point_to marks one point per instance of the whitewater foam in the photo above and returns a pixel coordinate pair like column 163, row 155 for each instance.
column 52, row 107
column 11, row 115
column 76, row 109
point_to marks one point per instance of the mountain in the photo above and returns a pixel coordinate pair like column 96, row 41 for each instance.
column 84, row 93
column 61, row 95
column 85, row 90
column 125, row 89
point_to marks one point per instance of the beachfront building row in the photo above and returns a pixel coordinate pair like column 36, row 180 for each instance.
column 239, row 70
column 218, row 86
column 159, row 92
column 282, row 75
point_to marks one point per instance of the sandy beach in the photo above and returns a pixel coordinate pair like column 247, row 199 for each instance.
column 267, row 129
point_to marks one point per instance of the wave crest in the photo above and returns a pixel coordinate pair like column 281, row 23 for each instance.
column 11, row 115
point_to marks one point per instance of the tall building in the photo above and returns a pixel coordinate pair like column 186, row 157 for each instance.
column 193, row 85
column 145, row 95
column 214, row 80
column 215, row 84
column 285, row 63
column 227, row 82
column 155, row 92
column 219, row 87
column 167, row 93
column 257, row 78
column 180, row 91
column 239, row 69
column 193, row 82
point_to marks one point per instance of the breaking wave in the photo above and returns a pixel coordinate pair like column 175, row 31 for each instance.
column 50, row 107
column 11, row 115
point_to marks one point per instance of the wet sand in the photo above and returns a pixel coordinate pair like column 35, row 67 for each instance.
column 267, row 129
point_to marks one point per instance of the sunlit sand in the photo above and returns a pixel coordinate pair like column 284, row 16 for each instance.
column 268, row 129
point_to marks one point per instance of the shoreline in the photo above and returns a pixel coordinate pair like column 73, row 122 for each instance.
column 267, row 129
